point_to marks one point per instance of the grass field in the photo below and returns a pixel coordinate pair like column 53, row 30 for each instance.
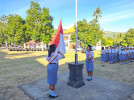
column 18, row 68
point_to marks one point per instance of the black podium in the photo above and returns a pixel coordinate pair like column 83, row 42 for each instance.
column 75, row 75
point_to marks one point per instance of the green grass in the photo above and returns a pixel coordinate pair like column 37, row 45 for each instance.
column 18, row 68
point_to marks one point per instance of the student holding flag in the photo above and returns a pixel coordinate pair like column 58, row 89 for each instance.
column 89, row 62
column 52, row 69
column 55, row 53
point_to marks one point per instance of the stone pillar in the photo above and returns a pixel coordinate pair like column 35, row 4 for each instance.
column 75, row 75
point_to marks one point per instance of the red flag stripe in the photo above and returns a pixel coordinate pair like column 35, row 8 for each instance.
column 57, row 36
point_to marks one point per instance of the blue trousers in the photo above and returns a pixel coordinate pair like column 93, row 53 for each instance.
column 106, row 57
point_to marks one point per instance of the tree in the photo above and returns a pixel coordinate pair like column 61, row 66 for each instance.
column 39, row 23
column 129, row 37
column 14, row 29
column 87, row 34
column 3, row 25
column 103, row 41
column 97, row 13
column 118, row 39
column 109, row 41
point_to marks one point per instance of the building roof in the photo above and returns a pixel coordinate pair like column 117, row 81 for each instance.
column 71, row 30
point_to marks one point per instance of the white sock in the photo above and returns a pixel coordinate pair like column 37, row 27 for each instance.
column 51, row 93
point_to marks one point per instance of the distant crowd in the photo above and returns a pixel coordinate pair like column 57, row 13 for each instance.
column 116, row 54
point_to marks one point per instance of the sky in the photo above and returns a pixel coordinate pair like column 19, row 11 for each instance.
column 117, row 15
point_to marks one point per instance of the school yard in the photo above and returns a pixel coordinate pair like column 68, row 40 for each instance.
column 17, row 68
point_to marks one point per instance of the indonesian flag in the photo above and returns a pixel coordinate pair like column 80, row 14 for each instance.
column 58, row 40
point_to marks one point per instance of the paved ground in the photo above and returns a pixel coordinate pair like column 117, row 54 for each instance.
column 97, row 89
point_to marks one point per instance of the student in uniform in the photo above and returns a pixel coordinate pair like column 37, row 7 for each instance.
column 89, row 62
column 111, row 55
column 114, row 54
column 103, row 56
column 52, row 69
column 131, row 54
column 125, row 53
column 121, row 56
column 106, row 54
column 118, row 49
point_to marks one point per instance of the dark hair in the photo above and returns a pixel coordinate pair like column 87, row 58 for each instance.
column 52, row 48
column 102, row 48
column 90, row 47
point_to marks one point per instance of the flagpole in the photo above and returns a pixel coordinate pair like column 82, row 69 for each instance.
column 76, row 56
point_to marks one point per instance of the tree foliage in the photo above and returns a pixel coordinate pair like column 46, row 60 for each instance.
column 88, row 33
column 39, row 23
column 14, row 29
column 37, row 26
column 129, row 37
column 97, row 13
column 2, row 28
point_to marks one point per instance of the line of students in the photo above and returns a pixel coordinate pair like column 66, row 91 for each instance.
column 115, row 54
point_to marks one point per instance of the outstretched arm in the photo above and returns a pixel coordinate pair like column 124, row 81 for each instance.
column 83, row 51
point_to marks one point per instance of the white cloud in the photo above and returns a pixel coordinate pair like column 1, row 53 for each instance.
column 117, row 16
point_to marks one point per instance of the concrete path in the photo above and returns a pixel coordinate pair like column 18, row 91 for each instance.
column 97, row 89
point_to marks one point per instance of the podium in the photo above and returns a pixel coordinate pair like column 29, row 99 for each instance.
column 75, row 75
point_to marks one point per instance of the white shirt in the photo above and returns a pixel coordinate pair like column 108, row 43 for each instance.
column 121, row 52
column 103, row 51
column 110, row 51
column 106, row 50
column 116, row 50
column 125, row 52
column 56, row 60
column 91, row 54
column 113, row 51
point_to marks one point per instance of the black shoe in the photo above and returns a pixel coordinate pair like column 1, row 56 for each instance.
column 89, row 79
column 50, row 96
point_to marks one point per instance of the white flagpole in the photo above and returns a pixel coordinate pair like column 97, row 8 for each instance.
column 76, row 57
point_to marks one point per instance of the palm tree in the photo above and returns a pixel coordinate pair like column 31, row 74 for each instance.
column 97, row 13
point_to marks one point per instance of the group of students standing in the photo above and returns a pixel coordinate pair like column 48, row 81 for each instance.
column 115, row 54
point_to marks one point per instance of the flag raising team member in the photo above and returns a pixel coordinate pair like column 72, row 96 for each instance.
column 103, row 56
column 55, row 53
column 89, row 62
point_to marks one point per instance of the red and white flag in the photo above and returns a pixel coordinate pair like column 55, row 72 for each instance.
column 58, row 40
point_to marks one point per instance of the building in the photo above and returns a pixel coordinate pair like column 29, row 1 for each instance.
column 67, row 39
column 70, row 45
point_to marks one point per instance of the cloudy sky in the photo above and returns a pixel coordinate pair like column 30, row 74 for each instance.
column 118, row 15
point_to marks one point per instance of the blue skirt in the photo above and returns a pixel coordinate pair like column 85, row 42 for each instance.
column 89, row 66
column 103, row 57
column 121, row 57
column 126, row 56
column 131, row 56
column 52, row 70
